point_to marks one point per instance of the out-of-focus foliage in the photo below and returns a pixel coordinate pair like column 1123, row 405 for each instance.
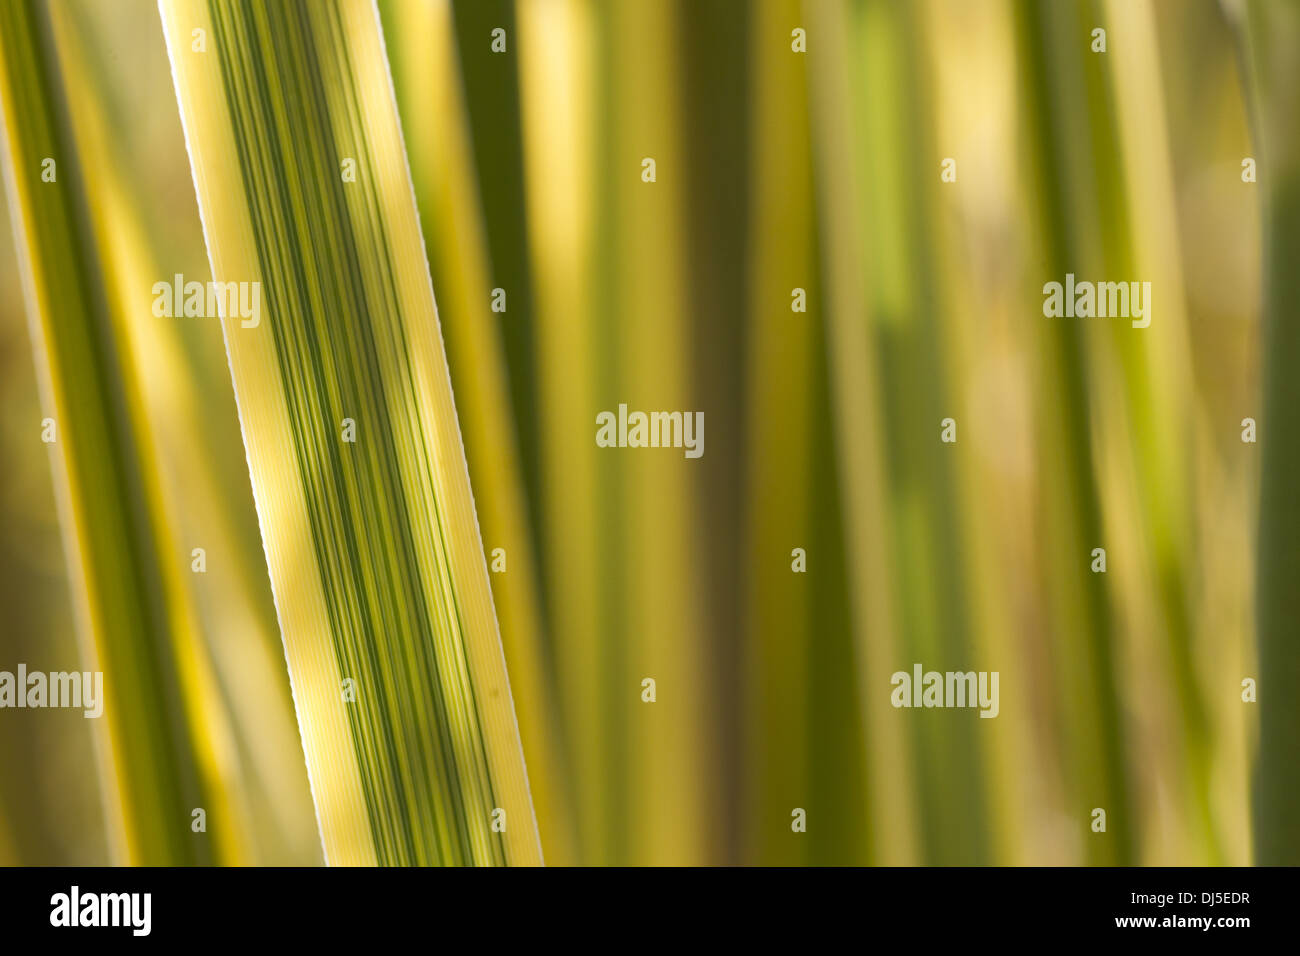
column 796, row 146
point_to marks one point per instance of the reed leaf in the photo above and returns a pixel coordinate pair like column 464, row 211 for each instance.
column 354, row 450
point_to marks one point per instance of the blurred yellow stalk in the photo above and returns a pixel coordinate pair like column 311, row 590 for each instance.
column 167, row 734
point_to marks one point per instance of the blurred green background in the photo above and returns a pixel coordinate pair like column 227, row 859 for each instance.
column 776, row 169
